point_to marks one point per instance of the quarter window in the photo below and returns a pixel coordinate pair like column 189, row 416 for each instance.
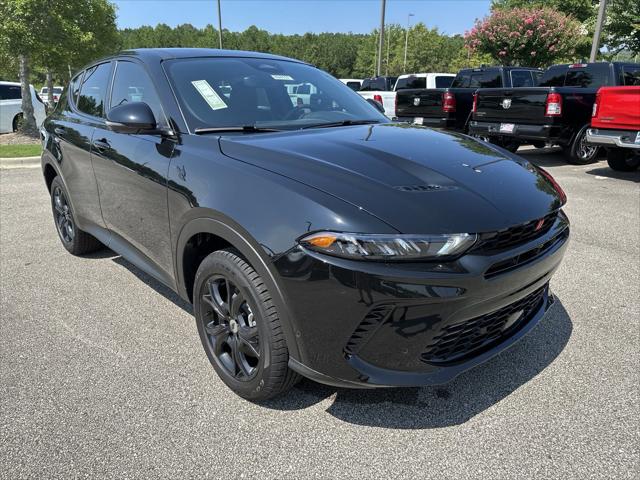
column 94, row 90
column 132, row 84
column 631, row 75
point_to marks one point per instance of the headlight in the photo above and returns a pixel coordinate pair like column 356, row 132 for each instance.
column 389, row 247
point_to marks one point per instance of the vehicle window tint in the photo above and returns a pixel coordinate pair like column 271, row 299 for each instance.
column 521, row 78
column 631, row 75
column 593, row 76
column 462, row 80
column 10, row 92
column 554, row 76
column 537, row 77
column 486, row 79
column 74, row 87
column 411, row 82
column 132, row 84
column 354, row 85
column 57, row 90
column 94, row 89
column 443, row 82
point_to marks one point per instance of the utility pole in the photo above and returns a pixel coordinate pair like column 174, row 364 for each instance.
column 219, row 25
column 381, row 39
column 595, row 46
column 406, row 43
column 386, row 72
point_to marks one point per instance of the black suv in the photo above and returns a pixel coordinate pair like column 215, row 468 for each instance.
column 313, row 237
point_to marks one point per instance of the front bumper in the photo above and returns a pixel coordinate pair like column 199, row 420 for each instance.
column 542, row 133
column 614, row 138
column 369, row 324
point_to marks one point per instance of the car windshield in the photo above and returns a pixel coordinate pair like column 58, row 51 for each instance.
column 263, row 93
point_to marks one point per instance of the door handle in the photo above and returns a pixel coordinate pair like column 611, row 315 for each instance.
column 59, row 130
column 101, row 145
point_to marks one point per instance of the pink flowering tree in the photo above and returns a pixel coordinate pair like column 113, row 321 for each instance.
column 535, row 37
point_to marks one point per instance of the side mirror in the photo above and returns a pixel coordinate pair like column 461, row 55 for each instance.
column 131, row 118
column 377, row 105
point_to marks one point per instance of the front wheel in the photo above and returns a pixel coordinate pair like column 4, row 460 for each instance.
column 580, row 152
column 240, row 328
column 622, row 160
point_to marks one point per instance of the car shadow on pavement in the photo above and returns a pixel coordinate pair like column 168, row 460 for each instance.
column 445, row 405
column 609, row 173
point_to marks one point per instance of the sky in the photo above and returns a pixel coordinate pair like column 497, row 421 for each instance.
column 300, row 16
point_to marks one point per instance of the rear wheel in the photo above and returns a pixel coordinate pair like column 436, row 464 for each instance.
column 17, row 122
column 240, row 328
column 622, row 160
column 76, row 241
column 580, row 152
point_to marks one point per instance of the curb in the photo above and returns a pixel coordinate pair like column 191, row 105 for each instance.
column 19, row 162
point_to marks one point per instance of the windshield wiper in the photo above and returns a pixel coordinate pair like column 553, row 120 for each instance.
column 342, row 123
column 242, row 128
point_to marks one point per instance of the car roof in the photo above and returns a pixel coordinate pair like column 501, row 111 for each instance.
column 10, row 83
column 421, row 75
column 159, row 54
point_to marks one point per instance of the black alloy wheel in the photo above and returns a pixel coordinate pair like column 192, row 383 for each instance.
column 75, row 240
column 580, row 152
column 231, row 328
column 240, row 327
column 62, row 214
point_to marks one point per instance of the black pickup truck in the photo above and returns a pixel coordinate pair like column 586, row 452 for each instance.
column 558, row 112
column 451, row 107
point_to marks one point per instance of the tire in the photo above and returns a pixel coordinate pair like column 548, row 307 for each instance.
column 240, row 328
column 580, row 152
column 17, row 122
column 623, row 161
column 539, row 144
column 76, row 241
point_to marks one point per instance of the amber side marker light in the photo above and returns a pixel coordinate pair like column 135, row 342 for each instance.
column 321, row 241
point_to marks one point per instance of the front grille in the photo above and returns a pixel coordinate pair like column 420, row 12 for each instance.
column 517, row 235
column 367, row 327
column 505, row 266
column 465, row 338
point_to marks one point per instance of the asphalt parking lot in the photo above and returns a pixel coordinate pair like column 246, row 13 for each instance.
column 102, row 372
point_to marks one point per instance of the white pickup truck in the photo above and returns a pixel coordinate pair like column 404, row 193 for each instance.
column 383, row 89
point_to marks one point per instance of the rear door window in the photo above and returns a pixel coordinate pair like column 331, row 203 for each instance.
column 10, row 92
column 631, row 75
column 521, row 78
column 486, row 79
column 411, row 82
column 93, row 92
column 443, row 82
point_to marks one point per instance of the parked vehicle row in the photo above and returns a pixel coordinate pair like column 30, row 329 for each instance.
column 11, row 106
column 557, row 112
column 384, row 89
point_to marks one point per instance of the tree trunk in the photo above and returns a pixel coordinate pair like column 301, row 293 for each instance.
column 28, row 119
column 51, row 102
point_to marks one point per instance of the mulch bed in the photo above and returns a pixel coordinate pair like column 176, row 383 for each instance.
column 18, row 139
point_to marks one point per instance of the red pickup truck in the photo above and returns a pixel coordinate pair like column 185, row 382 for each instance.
column 615, row 125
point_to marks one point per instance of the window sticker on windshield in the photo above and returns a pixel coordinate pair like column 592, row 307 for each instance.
column 281, row 77
column 209, row 94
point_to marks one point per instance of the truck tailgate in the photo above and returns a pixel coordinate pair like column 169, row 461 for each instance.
column 419, row 103
column 618, row 108
column 515, row 105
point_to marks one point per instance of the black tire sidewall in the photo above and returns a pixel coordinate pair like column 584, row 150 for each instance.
column 574, row 156
column 221, row 262
column 72, row 246
column 618, row 159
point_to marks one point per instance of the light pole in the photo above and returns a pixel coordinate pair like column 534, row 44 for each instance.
column 596, row 35
column 386, row 72
column 381, row 39
column 219, row 25
column 406, row 43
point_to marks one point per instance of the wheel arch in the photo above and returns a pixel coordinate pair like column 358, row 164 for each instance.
column 222, row 234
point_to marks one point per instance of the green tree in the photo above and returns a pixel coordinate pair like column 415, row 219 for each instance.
column 525, row 36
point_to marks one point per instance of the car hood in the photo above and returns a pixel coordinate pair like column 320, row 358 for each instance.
column 413, row 178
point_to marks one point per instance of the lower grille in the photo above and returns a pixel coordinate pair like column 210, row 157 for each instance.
column 370, row 323
column 465, row 338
